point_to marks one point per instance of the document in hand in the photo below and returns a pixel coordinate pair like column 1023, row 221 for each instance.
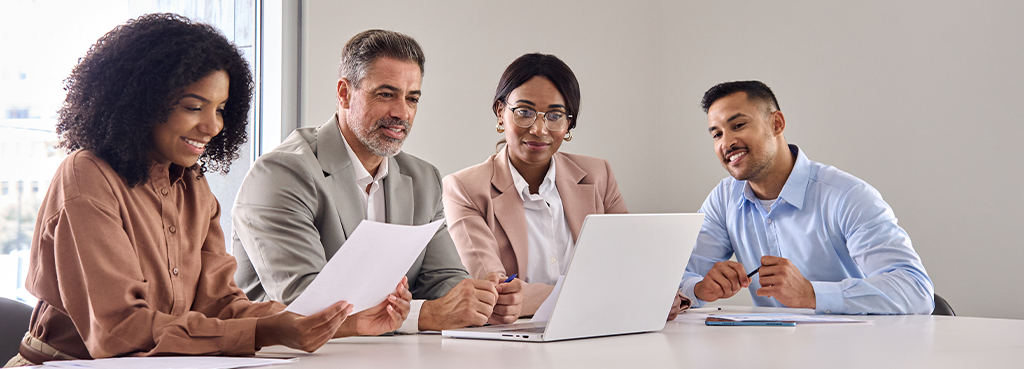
column 775, row 319
column 367, row 267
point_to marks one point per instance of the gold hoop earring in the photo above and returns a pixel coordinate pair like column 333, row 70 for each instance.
column 500, row 127
column 568, row 136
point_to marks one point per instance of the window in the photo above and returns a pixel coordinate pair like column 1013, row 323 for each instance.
column 17, row 113
column 46, row 38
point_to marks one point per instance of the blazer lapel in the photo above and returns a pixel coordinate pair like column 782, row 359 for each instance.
column 508, row 209
column 577, row 197
column 341, row 179
column 398, row 195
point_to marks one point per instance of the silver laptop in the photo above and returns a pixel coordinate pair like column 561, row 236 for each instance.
column 622, row 279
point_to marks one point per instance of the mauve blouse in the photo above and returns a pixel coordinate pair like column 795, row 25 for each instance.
column 137, row 271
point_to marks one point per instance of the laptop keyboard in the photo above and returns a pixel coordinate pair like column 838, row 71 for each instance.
column 525, row 330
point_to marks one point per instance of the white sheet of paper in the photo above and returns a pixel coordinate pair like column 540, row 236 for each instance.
column 544, row 311
column 367, row 267
column 168, row 362
column 691, row 317
column 782, row 317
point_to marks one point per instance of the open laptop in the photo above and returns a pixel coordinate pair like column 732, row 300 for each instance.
column 622, row 279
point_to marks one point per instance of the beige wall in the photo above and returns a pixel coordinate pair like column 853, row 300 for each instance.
column 921, row 99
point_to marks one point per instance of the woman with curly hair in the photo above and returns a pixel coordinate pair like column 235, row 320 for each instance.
column 128, row 256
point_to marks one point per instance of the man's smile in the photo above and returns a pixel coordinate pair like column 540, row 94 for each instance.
column 735, row 155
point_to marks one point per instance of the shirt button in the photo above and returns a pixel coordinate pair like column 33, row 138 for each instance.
column 163, row 191
column 782, row 201
column 769, row 221
column 175, row 271
column 172, row 229
column 554, row 260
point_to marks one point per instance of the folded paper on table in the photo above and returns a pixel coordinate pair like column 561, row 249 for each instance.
column 169, row 362
column 367, row 267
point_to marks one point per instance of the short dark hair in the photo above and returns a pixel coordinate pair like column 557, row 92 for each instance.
column 549, row 66
column 756, row 91
column 128, row 82
column 364, row 48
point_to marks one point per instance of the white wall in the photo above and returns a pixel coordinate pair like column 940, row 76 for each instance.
column 922, row 99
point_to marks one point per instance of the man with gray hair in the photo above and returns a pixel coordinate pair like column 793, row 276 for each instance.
column 301, row 201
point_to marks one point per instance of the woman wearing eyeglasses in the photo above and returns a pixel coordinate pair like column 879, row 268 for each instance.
column 520, row 211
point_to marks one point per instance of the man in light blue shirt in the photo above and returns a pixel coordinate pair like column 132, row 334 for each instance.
column 822, row 238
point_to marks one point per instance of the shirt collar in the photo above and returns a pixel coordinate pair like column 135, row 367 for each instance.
column 362, row 175
column 796, row 185
column 523, row 188
column 171, row 173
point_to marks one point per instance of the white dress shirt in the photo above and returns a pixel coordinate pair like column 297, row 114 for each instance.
column 548, row 232
column 373, row 201
column 373, row 209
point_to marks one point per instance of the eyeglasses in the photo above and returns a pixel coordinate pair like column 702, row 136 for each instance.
column 554, row 120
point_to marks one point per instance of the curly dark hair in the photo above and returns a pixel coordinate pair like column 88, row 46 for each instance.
column 128, row 82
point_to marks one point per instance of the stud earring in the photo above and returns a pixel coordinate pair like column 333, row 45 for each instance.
column 568, row 136
column 500, row 127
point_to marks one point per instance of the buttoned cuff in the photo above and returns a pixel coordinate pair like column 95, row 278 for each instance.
column 687, row 289
column 237, row 337
column 828, row 297
column 247, row 340
column 412, row 323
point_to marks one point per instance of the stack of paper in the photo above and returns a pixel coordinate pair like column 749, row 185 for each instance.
column 167, row 362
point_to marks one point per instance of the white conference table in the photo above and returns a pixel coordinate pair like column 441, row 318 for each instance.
column 886, row 342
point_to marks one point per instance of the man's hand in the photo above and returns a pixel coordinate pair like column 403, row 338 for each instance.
column 470, row 303
column 679, row 305
column 306, row 333
column 724, row 280
column 385, row 317
column 510, row 299
column 782, row 280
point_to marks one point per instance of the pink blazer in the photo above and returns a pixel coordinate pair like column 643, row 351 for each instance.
column 486, row 218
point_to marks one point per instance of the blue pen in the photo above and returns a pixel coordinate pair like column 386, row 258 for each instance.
column 511, row 278
column 753, row 272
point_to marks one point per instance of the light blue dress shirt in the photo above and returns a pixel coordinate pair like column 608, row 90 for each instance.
column 834, row 227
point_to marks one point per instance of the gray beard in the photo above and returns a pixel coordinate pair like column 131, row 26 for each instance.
column 377, row 142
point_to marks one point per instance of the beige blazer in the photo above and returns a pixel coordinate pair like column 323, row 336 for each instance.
column 488, row 224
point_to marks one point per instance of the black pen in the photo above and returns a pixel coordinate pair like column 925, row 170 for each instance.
column 754, row 272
